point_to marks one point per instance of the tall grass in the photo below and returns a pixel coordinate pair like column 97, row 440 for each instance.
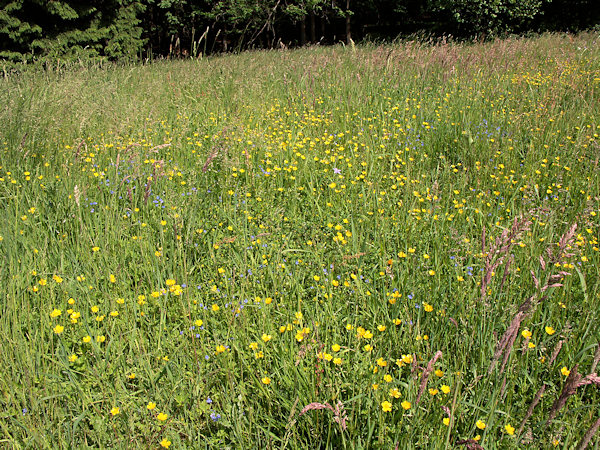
column 376, row 246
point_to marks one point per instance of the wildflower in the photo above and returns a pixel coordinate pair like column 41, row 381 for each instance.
column 220, row 349
column 162, row 416
column 510, row 430
column 57, row 279
column 100, row 339
column 386, row 406
column 266, row 380
column 266, row 337
column 382, row 362
column 55, row 313
column 165, row 443
column 526, row 334
column 480, row 424
column 95, row 249
column 439, row 373
column 433, row 391
column 446, row 421
column 406, row 405
column 335, row 347
column 445, row 389
column 73, row 358
column 170, row 282
column 150, row 406
column 58, row 329
column 86, row 339
column 43, row 282
column 115, row 411
column 215, row 307
column 337, row 361
column 387, row 377
column 550, row 330
column 565, row 371
column 395, row 392
column 427, row 307
column 381, row 328
column 198, row 323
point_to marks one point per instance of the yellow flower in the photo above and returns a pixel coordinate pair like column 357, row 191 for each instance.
column 112, row 278
column 100, row 339
column 220, row 348
column 150, row 406
column 406, row 405
column 86, row 339
column 199, row 322
column 335, row 347
column 215, row 307
column 170, row 282
column 526, row 334
column 95, row 249
column 394, row 392
column 550, row 330
column 73, row 358
column 433, row 391
column 386, row 406
column 55, row 313
column 446, row 421
column 266, row 337
column 509, row 429
column 565, row 371
column 57, row 279
column 266, row 380
column 428, row 307
column 115, row 411
column 382, row 362
column 337, row 361
column 439, row 373
column 165, row 443
column 381, row 328
column 59, row 329
column 445, row 389
column 531, row 345
column 162, row 416
column 480, row 424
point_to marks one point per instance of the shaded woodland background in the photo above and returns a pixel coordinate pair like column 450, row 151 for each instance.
column 38, row 30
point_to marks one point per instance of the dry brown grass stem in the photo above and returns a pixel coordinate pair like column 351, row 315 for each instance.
column 587, row 437
column 556, row 351
column 500, row 249
column 534, row 403
column 425, row 376
column 339, row 414
column 573, row 382
column 496, row 253
column 596, row 359
column 471, row 444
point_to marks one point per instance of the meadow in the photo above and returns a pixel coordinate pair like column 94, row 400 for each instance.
column 379, row 246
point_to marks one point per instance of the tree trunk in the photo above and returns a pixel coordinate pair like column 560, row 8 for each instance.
column 303, row 31
column 348, row 29
column 313, row 31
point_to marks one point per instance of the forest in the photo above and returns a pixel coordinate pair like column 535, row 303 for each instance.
column 43, row 30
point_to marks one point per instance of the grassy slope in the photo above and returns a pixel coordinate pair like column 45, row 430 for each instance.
column 436, row 146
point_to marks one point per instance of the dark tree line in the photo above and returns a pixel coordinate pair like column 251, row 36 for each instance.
column 117, row 29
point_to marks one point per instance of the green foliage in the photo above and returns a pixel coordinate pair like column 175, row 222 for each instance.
column 492, row 17
column 35, row 30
